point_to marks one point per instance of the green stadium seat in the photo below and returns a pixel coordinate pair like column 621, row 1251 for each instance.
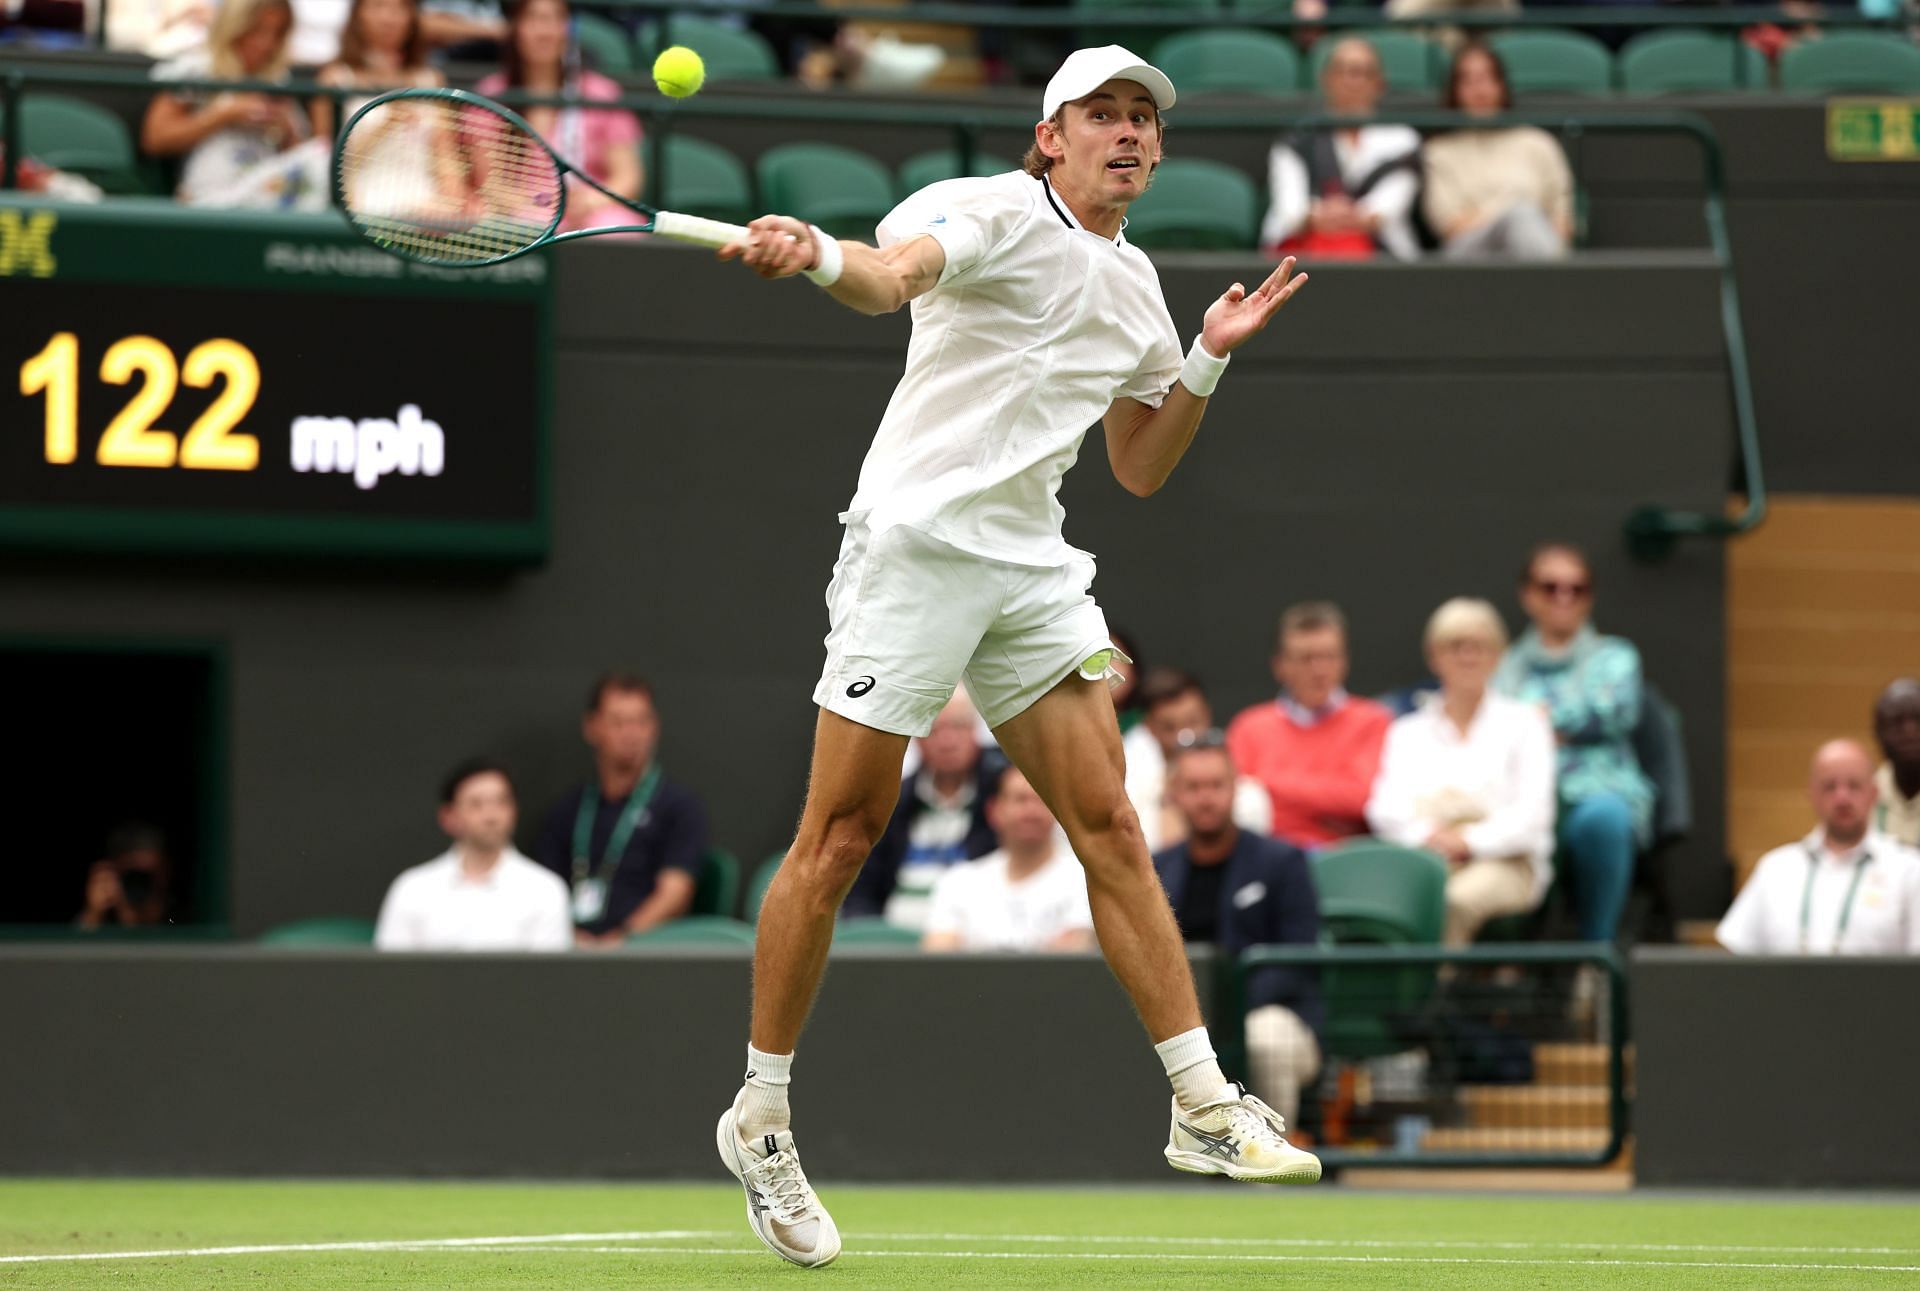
column 845, row 192
column 604, row 42
column 1852, row 62
column 1141, row 40
column 84, row 138
column 873, row 932
column 730, row 53
column 1195, row 204
column 758, row 885
column 1412, row 63
column 1234, row 59
column 330, row 931
column 717, row 890
column 1554, row 62
column 932, row 167
column 1374, row 893
column 696, row 930
column 705, row 179
column 1689, row 62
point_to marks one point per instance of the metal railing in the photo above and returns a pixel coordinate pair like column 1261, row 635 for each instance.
column 1485, row 1056
column 1652, row 530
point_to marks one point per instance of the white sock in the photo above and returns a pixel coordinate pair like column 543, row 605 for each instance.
column 764, row 1109
column 1193, row 1068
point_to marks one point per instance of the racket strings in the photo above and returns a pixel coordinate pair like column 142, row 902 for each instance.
column 448, row 182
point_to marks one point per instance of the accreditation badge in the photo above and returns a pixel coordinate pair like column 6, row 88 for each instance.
column 589, row 900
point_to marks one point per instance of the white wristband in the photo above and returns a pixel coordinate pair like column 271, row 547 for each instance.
column 832, row 259
column 1201, row 372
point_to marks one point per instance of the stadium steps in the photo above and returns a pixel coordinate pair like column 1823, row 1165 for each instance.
column 1536, row 1106
column 1513, row 1140
column 1574, row 1064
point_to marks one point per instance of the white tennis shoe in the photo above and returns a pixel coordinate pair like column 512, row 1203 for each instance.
column 1241, row 1138
column 782, row 1209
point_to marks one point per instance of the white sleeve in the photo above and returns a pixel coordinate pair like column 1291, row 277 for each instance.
column 1287, row 196
column 552, row 928
column 969, row 218
column 1153, row 380
column 1390, row 811
column 396, row 929
column 1521, row 820
column 1744, row 927
column 946, row 907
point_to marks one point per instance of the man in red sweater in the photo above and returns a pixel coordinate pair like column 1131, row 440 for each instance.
column 1316, row 748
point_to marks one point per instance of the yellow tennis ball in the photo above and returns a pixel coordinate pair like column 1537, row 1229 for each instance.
column 679, row 72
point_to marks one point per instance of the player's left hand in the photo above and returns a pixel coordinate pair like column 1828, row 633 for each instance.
column 1239, row 313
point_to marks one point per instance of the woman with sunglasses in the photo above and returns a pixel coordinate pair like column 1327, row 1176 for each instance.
column 1590, row 687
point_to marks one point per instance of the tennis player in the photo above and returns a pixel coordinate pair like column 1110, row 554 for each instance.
column 1033, row 318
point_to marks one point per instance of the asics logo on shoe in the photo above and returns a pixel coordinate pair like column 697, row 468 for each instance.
column 860, row 688
column 772, row 1146
column 756, row 1202
column 1213, row 1145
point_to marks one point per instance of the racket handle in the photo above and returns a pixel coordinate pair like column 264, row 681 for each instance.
column 691, row 228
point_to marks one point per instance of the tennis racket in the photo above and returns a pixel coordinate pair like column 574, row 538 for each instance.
column 447, row 177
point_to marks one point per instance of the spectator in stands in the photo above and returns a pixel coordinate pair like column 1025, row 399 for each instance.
column 1176, row 708
column 1469, row 774
column 464, row 31
column 541, row 57
column 241, row 149
column 629, row 842
column 940, row 821
column 1504, row 193
column 482, row 894
column 1590, row 686
column 1343, row 194
column 1451, row 37
column 380, row 49
column 160, row 29
column 1896, row 724
column 131, row 885
column 1315, row 748
column 1234, row 889
column 1844, row 889
column 1029, row 894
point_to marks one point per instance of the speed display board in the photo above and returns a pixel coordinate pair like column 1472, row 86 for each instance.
column 178, row 380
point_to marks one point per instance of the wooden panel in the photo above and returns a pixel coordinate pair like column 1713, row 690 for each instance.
column 1821, row 614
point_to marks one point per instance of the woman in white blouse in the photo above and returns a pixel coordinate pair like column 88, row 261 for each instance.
column 1470, row 775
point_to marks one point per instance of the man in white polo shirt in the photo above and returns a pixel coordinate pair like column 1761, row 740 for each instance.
column 1029, row 894
column 1033, row 318
column 1844, row 889
column 482, row 894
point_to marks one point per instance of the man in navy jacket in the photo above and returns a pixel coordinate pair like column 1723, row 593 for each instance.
column 1236, row 890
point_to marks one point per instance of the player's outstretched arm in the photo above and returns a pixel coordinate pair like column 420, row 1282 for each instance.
column 1145, row 444
column 873, row 280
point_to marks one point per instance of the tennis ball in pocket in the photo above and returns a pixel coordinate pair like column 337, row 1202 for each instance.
column 679, row 72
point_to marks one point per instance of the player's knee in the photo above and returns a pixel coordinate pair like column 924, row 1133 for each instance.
column 826, row 862
column 1110, row 835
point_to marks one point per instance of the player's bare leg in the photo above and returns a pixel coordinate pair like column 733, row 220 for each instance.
column 1068, row 744
column 850, row 794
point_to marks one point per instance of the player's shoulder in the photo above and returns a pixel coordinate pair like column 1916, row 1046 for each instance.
column 1012, row 191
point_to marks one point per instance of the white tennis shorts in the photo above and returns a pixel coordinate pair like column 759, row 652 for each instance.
column 910, row 617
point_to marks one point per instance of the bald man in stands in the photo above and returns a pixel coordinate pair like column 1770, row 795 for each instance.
column 1844, row 889
column 1896, row 725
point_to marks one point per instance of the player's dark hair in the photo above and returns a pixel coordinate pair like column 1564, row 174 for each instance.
column 353, row 45
column 458, row 777
column 1163, row 685
column 617, row 683
column 1476, row 49
column 1310, row 616
column 1556, row 548
column 1037, row 163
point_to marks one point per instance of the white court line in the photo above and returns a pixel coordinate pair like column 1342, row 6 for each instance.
column 1438, row 1243
column 578, row 1243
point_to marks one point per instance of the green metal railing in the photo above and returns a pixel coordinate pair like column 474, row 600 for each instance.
column 1421, row 989
column 1652, row 530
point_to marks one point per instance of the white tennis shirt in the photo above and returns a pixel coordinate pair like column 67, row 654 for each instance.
column 978, row 900
column 1036, row 326
column 1801, row 899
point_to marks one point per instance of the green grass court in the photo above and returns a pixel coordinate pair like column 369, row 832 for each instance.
column 293, row 1235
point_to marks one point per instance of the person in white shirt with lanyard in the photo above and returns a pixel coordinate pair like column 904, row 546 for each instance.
column 1033, row 318
column 1844, row 889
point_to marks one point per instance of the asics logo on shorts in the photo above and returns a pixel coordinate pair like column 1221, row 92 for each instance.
column 859, row 688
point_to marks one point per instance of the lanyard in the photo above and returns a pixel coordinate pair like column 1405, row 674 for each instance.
column 1846, row 906
column 630, row 817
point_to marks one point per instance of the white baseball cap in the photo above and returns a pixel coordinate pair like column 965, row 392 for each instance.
column 1086, row 70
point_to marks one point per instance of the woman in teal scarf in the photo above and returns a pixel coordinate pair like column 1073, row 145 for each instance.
column 1590, row 686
